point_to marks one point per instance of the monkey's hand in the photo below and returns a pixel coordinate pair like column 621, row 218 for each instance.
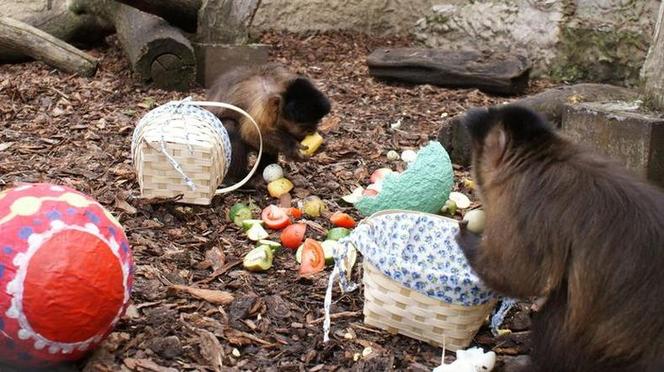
column 468, row 241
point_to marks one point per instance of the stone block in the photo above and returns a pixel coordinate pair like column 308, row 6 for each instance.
column 622, row 131
column 456, row 140
column 216, row 59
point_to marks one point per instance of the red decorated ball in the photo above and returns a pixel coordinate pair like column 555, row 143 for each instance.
column 65, row 274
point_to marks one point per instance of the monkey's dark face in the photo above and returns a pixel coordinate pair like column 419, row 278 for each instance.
column 500, row 135
column 302, row 108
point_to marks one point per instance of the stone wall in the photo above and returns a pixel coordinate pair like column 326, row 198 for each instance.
column 594, row 40
column 370, row 16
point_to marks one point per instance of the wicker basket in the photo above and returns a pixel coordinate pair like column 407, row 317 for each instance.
column 182, row 149
column 396, row 309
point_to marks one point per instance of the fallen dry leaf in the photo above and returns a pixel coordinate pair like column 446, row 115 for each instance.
column 5, row 146
column 210, row 295
column 146, row 364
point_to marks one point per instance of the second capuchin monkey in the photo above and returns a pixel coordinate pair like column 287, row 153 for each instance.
column 565, row 223
column 287, row 106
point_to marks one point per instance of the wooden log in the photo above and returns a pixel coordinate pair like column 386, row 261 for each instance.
column 180, row 13
column 54, row 18
column 159, row 53
column 35, row 43
column 652, row 72
column 551, row 102
column 493, row 73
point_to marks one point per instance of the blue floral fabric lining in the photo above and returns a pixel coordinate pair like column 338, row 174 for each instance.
column 420, row 252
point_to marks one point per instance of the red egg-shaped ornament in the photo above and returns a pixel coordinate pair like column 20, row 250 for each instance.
column 65, row 274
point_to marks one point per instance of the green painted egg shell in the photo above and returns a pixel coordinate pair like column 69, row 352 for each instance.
column 425, row 186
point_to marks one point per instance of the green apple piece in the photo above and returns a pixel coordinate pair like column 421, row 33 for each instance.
column 257, row 232
column 258, row 259
column 247, row 224
column 337, row 233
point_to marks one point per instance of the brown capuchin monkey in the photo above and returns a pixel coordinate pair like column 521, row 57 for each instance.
column 287, row 106
column 565, row 223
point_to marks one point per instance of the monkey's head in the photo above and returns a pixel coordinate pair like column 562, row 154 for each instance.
column 503, row 136
column 300, row 106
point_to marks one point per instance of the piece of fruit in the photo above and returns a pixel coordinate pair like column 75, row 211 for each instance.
column 469, row 184
column 274, row 246
column 408, row 156
column 257, row 232
column 476, row 220
column 329, row 248
column 293, row 212
column 247, row 224
column 313, row 258
column 450, row 207
column 275, row 218
column 298, row 254
column 392, row 155
column 238, row 213
column 273, row 172
column 258, row 259
column 461, row 200
column 341, row 219
column 279, row 187
column 369, row 192
column 293, row 235
column 355, row 196
column 313, row 142
column 312, row 206
column 337, row 233
column 379, row 174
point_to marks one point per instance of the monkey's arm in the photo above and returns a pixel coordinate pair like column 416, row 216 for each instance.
column 469, row 243
column 281, row 142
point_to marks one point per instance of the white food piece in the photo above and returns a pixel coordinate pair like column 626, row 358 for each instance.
column 408, row 156
column 257, row 232
column 461, row 200
column 470, row 360
column 476, row 220
column 355, row 196
column 378, row 187
column 273, row 172
column 392, row 155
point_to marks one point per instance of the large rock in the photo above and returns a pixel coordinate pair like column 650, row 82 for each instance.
column 623, row 131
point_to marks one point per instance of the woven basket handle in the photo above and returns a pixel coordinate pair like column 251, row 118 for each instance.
column 260, row 138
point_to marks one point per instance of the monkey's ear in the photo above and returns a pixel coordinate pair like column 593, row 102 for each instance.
column 495, row 144
column 274, row 101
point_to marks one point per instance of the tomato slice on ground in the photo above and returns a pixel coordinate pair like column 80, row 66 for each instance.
column 275, row 218
column 293, row 235
column 313, row 258
column 293, row 212
column 342, row 220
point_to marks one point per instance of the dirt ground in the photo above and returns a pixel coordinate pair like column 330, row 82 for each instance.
column 76, row 131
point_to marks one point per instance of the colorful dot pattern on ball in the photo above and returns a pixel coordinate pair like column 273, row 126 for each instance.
column 79, row 258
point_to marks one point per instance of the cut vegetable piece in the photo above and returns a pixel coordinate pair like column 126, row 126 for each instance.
column 355, row 196
column 298, row 254
column 238, row 213
column 337, row 233
column 313, row 142
column 279, row 187
column 461, row 200
column 341, row 219
column 450, row 207
column 379, row 174
column 293, row 212
column 247, row 224
column 258, row 259
column 313, row 258
column 392, row 155
column 275, row 218
column 273, row 172
column 476, row 220
column 293, row 235
column 329, row 247
column 408, row 156
column 257, row 232
column 274, row 246
column 313, row 206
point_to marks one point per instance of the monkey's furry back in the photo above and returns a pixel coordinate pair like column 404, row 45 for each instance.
column 567, row 223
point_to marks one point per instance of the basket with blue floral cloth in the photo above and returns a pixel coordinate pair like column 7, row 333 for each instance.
column 417, row 281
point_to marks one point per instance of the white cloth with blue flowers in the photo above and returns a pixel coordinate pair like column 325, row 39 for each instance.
column 419, row 251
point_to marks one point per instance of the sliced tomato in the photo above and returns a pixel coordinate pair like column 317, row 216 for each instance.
column 313, row 258
column 342, row 220
column 293, row 235
column 275, row 218
column 293, row 212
